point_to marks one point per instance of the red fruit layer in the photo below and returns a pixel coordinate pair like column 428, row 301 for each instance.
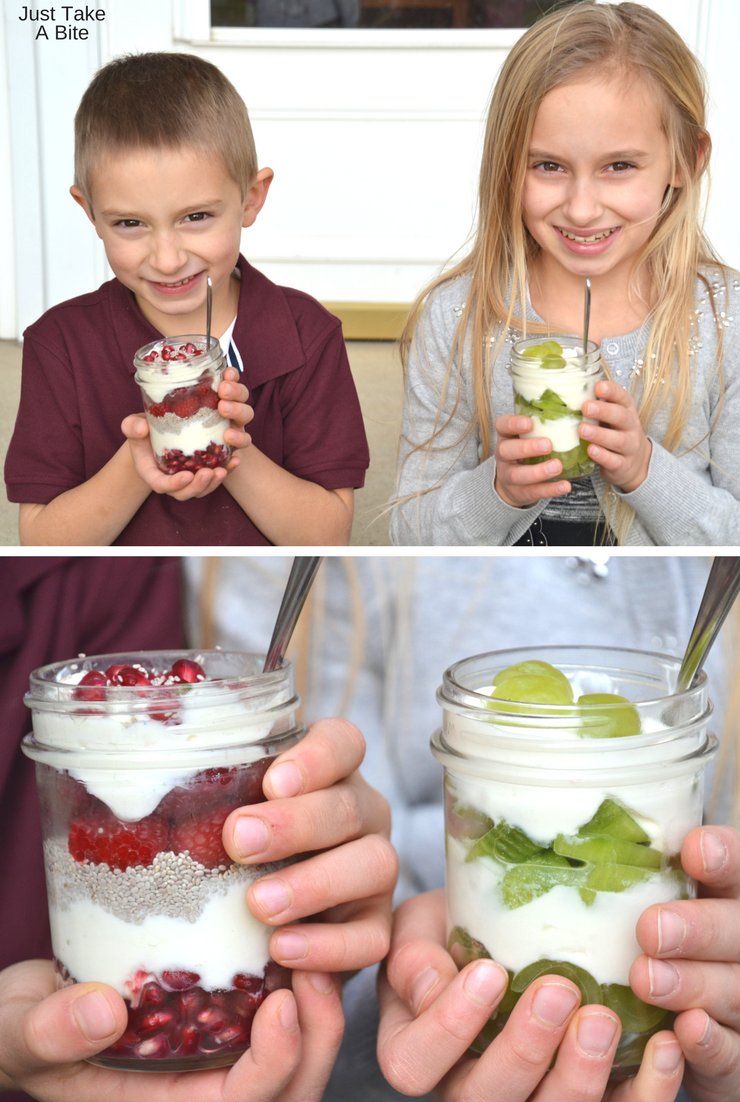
column 170, row 1016
column 100, row 837
column 189, row 818
column 173, row 460
column 185, row 401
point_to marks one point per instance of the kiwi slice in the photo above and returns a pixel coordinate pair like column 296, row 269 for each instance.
column 590, row 990
column 614, row 819
column 601, row 849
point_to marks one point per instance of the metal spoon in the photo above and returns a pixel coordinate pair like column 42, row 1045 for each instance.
column 302, row 574
column 209, row 310
column 719, row 594
column 586, row 316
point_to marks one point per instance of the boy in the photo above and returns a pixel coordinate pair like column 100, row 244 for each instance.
column 166, row 170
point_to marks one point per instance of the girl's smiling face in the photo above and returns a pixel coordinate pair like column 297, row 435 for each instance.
column 598, row 166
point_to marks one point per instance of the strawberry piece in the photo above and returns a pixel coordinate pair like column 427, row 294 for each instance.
column 186, row 407
column 201, row 837
column 101, row 838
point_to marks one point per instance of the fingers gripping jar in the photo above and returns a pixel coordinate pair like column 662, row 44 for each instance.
column 558, row 833
column 179, row 379
column 140, row 758
column 552, row 379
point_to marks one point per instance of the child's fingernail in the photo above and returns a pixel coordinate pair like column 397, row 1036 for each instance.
column 484, row 983
column 291, row 946
column 272, row 896
column 667, row 1057
column 713, row 851
column 94, row 1016
column 286, row 779
column 587, row 431
column 553, row 1002
column 663, row 978
column 671, row 931
column 250, row 836
column 322, row 982
column 553, row 467
column 422, row 985
column 288, row 1015
column 544, row 446
column 596, row 1033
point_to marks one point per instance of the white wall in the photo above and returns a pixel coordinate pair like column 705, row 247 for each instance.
column 374, row 138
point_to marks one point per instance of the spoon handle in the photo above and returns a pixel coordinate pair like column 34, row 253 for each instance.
column 301, row 576
column 586, row 314
column 721, row 590
column 209, row 310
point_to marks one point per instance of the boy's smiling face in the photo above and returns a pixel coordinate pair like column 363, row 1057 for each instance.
column 168, row 218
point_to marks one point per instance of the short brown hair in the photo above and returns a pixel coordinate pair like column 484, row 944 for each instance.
column 163, row 100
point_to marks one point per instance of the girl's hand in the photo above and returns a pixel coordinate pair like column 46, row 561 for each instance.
column 318, row 804
column 430, row 1015
column 189, row 484
column 523, row 484
column 618, row 444
column 46, row 1036
column 693, row 963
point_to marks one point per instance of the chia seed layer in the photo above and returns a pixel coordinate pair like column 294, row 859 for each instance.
column 173, row 885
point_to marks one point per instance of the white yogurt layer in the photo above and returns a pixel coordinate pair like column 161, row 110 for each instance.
column 189, row 434
column 562, row 433
column 206, row 715
column 557, row 925
column 226, row 939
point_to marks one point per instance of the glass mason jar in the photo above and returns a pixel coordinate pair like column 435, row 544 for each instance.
column 139, row 760
column 559, row 835
column 179, row 378
column 552, row 379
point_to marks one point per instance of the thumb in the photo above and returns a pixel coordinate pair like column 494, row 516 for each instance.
column 63, row 1028
column 135, row 426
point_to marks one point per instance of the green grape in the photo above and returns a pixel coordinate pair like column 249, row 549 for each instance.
column 590, row 990
column 614, row 819
column 549, row 353
column 532, row 682
column 618, row 720
column 601, row 849
column 635, row 1015
column 463, row 948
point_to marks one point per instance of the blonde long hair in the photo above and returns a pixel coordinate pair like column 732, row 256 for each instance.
column 622, row 39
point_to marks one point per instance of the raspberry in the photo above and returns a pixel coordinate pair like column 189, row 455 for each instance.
column 202, row 838
column 92, row 686
column 101, row 838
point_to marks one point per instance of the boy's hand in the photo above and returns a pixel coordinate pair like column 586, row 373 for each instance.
column 318, row 804
column 693, row 963
column 46, row 1036
column 523, row 484
column 189, row 484
column 618, row 443
column 549, row 1050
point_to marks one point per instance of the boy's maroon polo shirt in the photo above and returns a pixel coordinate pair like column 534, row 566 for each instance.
column 55, row 608
column 78, row 385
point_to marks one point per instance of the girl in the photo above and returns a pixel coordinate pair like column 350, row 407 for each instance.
column 594, row 154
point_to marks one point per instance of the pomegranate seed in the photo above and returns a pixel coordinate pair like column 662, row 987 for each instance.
column 211, row 1019
column 158, row 1019
column 180, row 981
column 150, row 357
column 230, row 1034
column 153, row 1047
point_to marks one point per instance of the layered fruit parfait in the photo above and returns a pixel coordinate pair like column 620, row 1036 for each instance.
column 179, row 379
column 552, row 379
column 568, row 793
column 140, row 759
